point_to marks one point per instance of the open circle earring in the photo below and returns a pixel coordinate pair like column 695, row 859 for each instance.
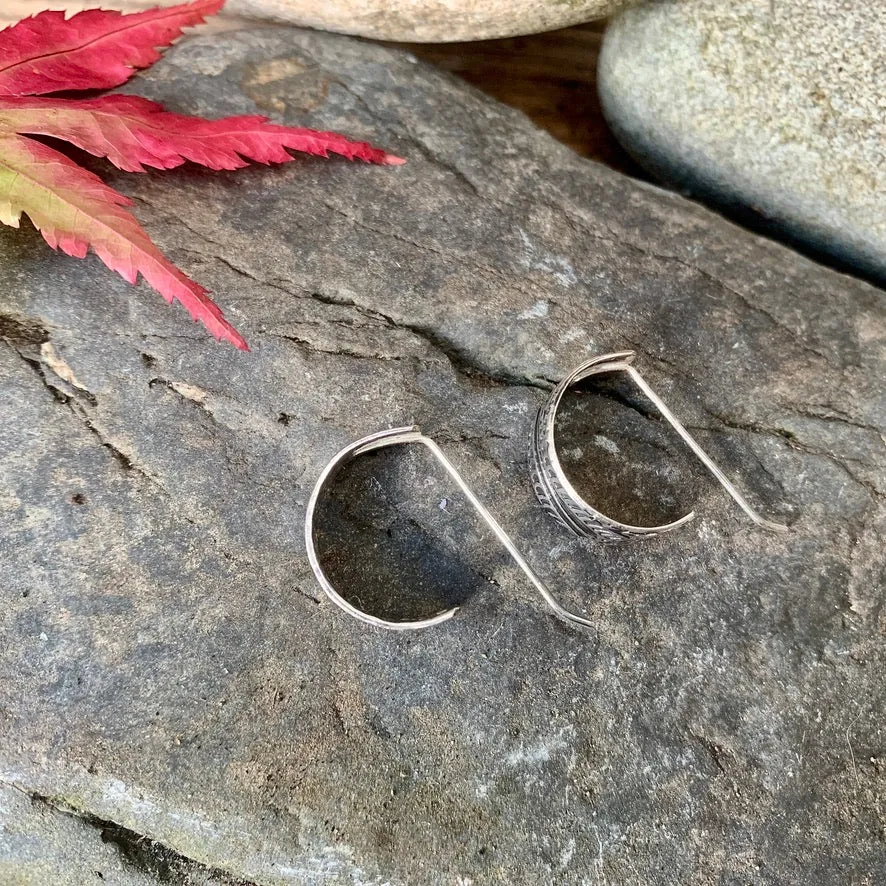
column 560, row 497
column 392, row 438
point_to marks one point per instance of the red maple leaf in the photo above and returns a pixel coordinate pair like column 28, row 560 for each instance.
column 71, row 207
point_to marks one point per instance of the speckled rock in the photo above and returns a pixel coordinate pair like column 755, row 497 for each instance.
column 779, row 108
column 435, row 21
column 174, row 686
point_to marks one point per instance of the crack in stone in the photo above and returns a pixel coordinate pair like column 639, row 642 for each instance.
column 118, row 454
column 436, row 160
column 190, row 393
column 19, row 331
column 35, row 366
column 447, row 256
column 831, row 415
column 138, row 851
column 55, row 363
column 616, row 240
column 342, row 351
column 794, row 442
column 446, row 436
column 77, row 410
column 124, row 460
column 347, row 322
column 166, row 216
column 463, row 362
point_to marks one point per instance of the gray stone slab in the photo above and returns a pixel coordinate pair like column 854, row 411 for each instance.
column 167, row 664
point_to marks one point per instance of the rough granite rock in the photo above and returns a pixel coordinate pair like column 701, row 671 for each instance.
column 172, row 682
column 777, row 108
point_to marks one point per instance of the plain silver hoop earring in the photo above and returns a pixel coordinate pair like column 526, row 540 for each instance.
column 394, row 437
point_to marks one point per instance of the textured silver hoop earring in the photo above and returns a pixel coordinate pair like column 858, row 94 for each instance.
column 392, row 438
column 559, row 496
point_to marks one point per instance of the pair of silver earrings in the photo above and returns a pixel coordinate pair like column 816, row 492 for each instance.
column 551, row 485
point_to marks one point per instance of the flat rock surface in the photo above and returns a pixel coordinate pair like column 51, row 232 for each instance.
column 777, row 108
column 173, row 683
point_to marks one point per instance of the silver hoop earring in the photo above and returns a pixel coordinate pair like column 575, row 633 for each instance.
column 392, row 438
column 559, row 496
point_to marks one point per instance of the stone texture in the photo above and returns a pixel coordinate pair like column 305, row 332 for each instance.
column 168, row 667
column 432, row 21
column 414, row 20
column 777, row 108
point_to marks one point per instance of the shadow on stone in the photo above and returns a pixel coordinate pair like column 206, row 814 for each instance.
column 622, row 457
column 386, row 537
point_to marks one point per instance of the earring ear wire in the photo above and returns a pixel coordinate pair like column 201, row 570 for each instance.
column 560, row 497
column 394, row 437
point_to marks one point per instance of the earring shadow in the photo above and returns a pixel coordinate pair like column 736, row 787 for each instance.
column 385, row 541
column 621, row 456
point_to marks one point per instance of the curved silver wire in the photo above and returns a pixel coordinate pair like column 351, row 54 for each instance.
column 560, row 497
column 393, row 437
